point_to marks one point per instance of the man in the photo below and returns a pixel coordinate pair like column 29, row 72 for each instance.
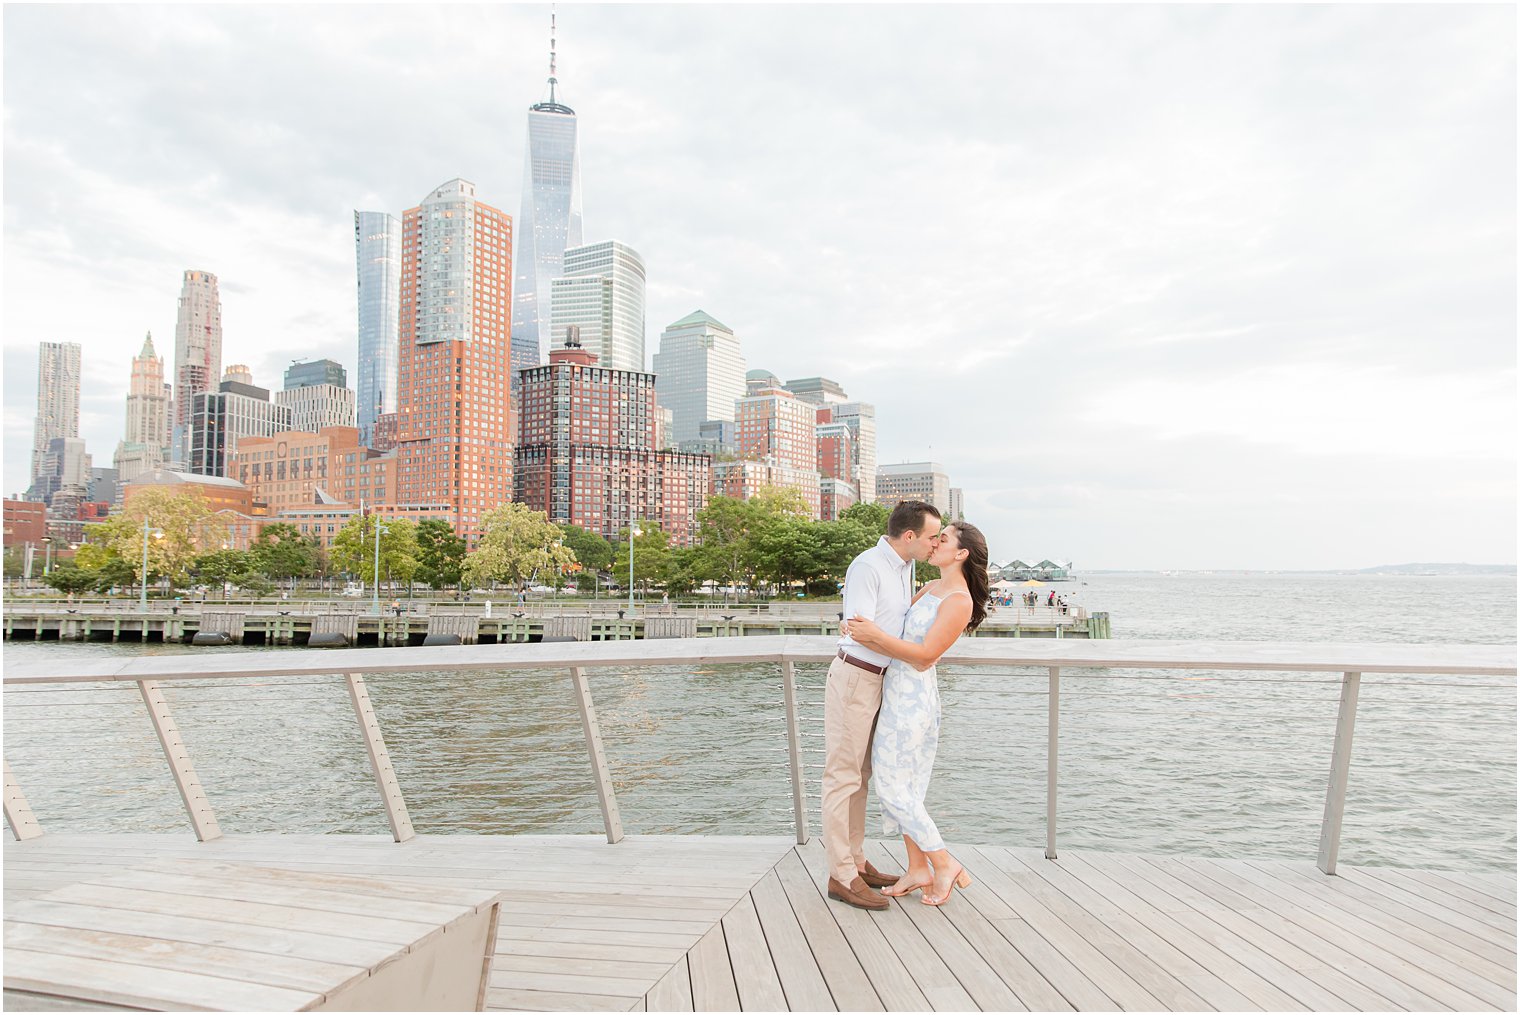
column 878, row 585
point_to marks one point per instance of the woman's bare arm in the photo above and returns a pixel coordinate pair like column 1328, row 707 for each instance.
column 954, row 614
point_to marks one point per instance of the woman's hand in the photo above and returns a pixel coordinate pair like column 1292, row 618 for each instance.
column 864, row 631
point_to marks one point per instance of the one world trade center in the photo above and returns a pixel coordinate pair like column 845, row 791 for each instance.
column 550, row 220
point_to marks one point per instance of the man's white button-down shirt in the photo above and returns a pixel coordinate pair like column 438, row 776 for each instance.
column 878, row 585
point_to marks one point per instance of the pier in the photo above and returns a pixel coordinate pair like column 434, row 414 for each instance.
column 627, row 921
column 296, row 621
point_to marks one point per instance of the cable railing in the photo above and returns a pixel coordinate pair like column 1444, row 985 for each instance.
column 1317, row 685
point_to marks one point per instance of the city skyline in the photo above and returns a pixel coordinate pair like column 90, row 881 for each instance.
column 1165, row 287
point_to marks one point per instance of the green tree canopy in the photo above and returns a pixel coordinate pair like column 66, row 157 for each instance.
column 185, row 527
column 223, row 565
column 353, row 547
column 440, row 553
column 70, row 578
column 871, row 517
column 282, row 552
column 518, row 544
column 591, row 551
column 651, row 556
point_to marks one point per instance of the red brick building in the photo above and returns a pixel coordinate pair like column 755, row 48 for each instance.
column 587, row 451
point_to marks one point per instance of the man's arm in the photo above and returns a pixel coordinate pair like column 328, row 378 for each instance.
column 862, row 589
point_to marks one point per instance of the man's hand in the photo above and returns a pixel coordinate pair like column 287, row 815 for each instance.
column 863, row 630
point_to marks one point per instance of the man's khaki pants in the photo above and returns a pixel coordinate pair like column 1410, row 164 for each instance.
column 851, row 701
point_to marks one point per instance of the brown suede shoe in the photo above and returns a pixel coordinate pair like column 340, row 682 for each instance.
column 859, row 894
column 875, row 878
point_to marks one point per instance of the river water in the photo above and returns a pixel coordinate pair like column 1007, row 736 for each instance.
column 1167, row 762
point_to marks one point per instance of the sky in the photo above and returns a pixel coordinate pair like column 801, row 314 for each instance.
column 1191, row 287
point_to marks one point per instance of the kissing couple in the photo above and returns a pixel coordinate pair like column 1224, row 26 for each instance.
column 881, row 702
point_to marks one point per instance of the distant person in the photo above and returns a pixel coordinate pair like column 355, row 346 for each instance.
column 1052, row 600
column 878, row 587
column 907, row 732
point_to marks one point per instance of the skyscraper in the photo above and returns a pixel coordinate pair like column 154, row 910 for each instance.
column 925, row 481
column 238, row 408
column 197, row 352
column 57, row 408
column 550, row 219
column 317, row 395
column 699, row 373
column 454, row 433
column 145, row 443
column 377, row 249
column 601, row 293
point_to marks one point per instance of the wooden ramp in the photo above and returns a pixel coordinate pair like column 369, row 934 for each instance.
column 742, row 923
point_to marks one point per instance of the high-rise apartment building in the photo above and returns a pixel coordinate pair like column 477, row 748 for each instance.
column 317, row 396
column 601, row 293
column 957, row 510
column 63, row 474
column 860, row 417
column 237, row 409
column 455, row 427
column 197, row 352
column 775, row 428
column 818, row 391
column 699, row 373
column 550, row 220
column 377, row 251
column 145, row 443
column 588, row 451
column 924, row 481
column 57, row 410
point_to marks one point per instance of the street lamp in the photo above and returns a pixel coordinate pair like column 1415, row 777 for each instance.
column 633, row 530
column 47, row 563
column 378, row 530
column 142, row 601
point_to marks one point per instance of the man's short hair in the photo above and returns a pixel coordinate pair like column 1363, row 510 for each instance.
column 909, row 516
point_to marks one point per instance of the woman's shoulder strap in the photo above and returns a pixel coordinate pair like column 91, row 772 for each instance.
column 957, row 592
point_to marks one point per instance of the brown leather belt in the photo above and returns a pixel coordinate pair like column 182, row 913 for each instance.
column 868, row 667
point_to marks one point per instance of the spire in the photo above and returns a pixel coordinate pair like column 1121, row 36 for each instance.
column 147, row 349
column 552, row 80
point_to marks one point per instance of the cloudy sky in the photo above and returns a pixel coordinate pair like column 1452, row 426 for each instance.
column 1161, row 287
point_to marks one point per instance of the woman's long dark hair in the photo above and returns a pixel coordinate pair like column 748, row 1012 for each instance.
column 974, row 569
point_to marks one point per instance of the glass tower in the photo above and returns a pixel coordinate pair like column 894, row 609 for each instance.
column 377, row 243
column 550, row 220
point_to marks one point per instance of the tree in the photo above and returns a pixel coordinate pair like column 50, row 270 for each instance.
column 724, row 531
column 591, row 551
column 70, row 578
column 839, row 543
column 221, row 566
column 517, row 544
column 353, row 548
column 185, row 527
column 871, row 517
column 788, row 551
column 113, row 573
column 651, row 555
column 281, row 552
column 440, row 553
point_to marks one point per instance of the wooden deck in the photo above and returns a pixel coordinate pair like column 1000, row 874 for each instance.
column 741, row 923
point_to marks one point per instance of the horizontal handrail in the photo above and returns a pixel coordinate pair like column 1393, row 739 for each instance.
column 1472, row 660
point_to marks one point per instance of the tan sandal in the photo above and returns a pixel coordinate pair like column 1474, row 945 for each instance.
column 961, row 880
column 909, row 890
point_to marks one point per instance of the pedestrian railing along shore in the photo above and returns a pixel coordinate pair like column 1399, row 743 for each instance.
column 1051, row 661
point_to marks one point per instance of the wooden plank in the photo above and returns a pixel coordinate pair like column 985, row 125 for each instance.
column 1411, row 939
column 141, row 986
column 908, row 953
column 613, row 907
column 1476, row 937
column 755, row 975
column 518, row 999
column 603, row 965
column 664, row 957
column 1159, row 937
column 568, row 983
column 432, row 892
column 385, row 931
column 276, row 970
column 890, row 974
column 848, row 983
column 23, row 1000
column 801, row 979
column 1504, row 911
column 672, row 992
column 1334, row 927
column 596, row 937
column 600, row 773
column 1432, row 897
column 974, row 973
column 1233, row 954
column 712, row 975
column 1344, row 975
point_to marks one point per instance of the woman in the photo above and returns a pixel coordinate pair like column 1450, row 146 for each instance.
column 907, row 730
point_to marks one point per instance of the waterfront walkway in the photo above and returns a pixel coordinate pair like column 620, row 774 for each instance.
column 741, row 923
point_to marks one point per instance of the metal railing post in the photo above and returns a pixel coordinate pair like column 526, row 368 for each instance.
column 1051, row 757
column 1340, row 770
column 189, row 784
column 379, row 759
column 599, row 771
column 18, row 813
column 794, row 751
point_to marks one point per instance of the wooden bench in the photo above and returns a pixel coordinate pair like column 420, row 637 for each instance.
column 227, row 937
